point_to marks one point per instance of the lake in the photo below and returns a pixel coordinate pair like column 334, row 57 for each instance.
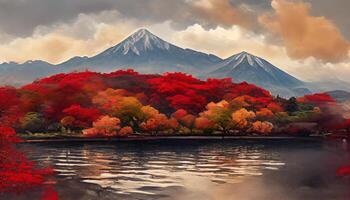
column 195, row 169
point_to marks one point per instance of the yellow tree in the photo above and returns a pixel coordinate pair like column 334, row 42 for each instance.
column 105, row 126
column 262, row 127
column 203, row 123
column 242, row 118
column 220, row 114
column 158, row 123
column 264, row 114
column 125, row 131
column 117, row 104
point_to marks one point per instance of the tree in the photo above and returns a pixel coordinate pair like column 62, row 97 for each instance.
column 262, row 127
column 185, row 119
column 291, row 105
column 126, row 108
column 125, row 131
column 264, row 113
column 105, row 126
column 203, row 123
column 81, row 117
column 159, row 123
column 10, row 111
column 33, row 122
column 149, row 112
column 220, row 114
column 242, row 118
column 275, row 107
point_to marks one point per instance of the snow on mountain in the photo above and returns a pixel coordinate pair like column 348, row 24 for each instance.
column 247, row 67
column 139, row 42
column 148, row 53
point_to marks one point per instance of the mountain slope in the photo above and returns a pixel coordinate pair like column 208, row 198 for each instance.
column 142, row 51
column 148, row 53
column 246, row 67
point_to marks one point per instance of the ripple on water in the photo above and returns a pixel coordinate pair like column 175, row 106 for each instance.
column 133, row 171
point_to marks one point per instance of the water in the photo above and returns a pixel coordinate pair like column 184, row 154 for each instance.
column 195, row 170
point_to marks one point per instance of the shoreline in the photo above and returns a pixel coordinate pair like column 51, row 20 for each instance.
column 173, row 138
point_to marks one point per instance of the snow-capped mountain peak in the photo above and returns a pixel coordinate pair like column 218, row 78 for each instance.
column 247, row 67
column 252, row 60
column 139, row 42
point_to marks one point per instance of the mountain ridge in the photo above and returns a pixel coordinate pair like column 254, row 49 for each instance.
column 147, row 53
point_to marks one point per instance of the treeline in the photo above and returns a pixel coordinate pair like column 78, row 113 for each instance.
column 125, row 102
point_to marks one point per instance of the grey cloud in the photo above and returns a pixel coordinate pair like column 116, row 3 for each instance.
column 21, row 17
column 335, row 10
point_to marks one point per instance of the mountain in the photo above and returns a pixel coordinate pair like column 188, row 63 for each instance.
column 339, row 95
column 247, row 67
column 13, row 73
column 329, row 85
column 147, row 53
column 142, row 51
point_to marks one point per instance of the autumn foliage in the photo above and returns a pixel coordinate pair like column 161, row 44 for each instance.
column 126, row 102
column 17, row 173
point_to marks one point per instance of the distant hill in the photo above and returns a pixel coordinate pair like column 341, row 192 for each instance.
column 339, row 95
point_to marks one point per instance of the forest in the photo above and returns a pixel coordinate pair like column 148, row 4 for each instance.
column 124, row 102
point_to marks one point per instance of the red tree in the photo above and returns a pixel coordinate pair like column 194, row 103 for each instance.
column 83, row 117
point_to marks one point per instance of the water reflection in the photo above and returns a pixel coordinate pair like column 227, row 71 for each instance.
column 131, row 171
column 204, row 170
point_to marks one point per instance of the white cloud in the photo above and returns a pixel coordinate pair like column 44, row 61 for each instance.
column 228, row 41
column 87, row 35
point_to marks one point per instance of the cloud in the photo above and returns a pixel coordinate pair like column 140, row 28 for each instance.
column 335, row 10
column 85, row 36
column 305, row 35
column 223, row 12
column 225, row 41
column 22, row 17
column 228, row 41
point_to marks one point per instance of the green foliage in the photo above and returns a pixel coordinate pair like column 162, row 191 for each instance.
column 291, row 105
column 33, row 122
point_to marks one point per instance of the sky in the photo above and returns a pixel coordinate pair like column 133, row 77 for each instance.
column 307, row 38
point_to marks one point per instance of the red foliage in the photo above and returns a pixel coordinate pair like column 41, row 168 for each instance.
column 181, row 91
column 16, row 172
column 169, row 92
column 250, row 89
column 83, row 117
column 275, row 107
column 319, row 98
column 122, row 73
column 60, row 91
column 9, row 106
